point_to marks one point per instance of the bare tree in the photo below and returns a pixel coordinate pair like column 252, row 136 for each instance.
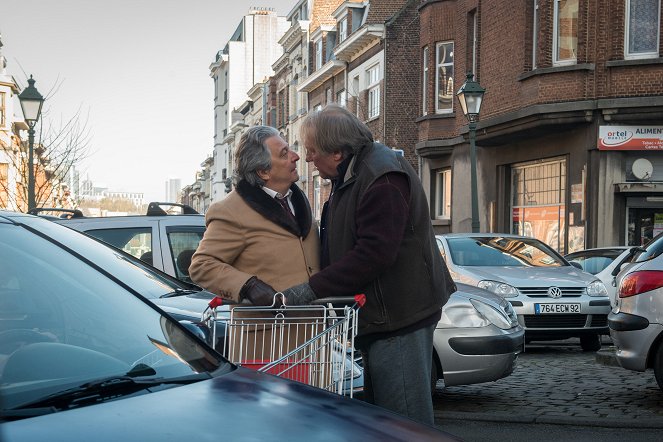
column 60, row 144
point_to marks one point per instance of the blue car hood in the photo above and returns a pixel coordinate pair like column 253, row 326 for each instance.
column 240, row 405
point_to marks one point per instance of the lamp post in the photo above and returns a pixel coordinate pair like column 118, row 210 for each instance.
column 470, row 96
column 31, row 102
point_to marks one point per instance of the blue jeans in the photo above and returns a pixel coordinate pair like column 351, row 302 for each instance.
column 397, row 373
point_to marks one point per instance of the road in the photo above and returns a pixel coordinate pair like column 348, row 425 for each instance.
column 558, row 384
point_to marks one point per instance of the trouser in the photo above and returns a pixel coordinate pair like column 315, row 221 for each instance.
column 397, row 373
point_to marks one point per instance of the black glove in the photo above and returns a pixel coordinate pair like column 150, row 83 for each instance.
column 258, row 292
column 301, row 294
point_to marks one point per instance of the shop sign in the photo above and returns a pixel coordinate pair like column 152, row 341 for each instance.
column 630, row 138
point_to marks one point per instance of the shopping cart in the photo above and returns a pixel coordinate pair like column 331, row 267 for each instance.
column 312, row 344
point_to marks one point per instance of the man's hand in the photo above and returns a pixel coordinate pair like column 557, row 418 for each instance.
column 301, row 294
column 258, row 292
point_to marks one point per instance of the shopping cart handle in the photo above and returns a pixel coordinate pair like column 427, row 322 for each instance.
column 347, row 300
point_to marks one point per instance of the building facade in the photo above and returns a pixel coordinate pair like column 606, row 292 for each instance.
column 569, row 137
column 245, row 60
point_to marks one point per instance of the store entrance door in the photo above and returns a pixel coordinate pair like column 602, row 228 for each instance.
column 644, row 224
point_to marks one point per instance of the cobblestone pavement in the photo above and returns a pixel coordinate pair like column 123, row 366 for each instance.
column 559, row 384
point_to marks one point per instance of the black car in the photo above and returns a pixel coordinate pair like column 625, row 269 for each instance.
column 84, row 355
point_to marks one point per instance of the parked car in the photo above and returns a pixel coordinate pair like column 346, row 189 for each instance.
column 636, row 321
column 477, row 339
column 552, row 298
column 604, row 262
column 85, row 355
column 455, row 364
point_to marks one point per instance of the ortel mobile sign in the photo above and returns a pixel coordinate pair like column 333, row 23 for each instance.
column 630, row 138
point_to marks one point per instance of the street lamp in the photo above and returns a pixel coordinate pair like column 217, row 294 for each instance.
column 470, row 96
column 31, row 102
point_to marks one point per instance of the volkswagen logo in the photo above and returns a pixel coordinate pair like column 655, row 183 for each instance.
column 555, row 292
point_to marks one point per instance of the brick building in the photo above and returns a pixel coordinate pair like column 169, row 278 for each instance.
column 570, row 137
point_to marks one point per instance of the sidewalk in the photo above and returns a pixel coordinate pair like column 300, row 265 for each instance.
column 563, row 385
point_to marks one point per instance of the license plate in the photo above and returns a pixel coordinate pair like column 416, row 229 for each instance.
column 541, row 309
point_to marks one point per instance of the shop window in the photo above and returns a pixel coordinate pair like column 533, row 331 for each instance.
column 643, row 27
column 565, row 32
column 373, row 77
column 442, row 194
column 444, row 83
column 424, row 82
column 538, row 192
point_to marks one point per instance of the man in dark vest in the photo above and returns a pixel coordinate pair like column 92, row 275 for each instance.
column 377, row 239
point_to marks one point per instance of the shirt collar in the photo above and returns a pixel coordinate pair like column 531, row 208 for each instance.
column 274, row 193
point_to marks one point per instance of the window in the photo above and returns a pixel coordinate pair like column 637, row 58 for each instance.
column 343, row 29
column 317, row 197
column 135, row 241
column 373, row 77
column 2, row 109
column 424, row 83
column 538, row 206
column 183, row 241
column 355, row 86
column 642, row 28
column 442, row 194
column 473, row 37
column 341, row 98
column 444, row 81
column 328, row 95
column 4, row 185
column 565, row 32
column 318, row 53
column 535, row 33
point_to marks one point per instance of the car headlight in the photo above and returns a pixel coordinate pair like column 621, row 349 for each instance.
column 499, row 288
column 597, row 288
column 491, row 314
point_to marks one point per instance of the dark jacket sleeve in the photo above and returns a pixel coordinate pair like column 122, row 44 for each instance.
column 382, row 217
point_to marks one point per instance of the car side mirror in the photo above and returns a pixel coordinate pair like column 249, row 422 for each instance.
column 576, row 264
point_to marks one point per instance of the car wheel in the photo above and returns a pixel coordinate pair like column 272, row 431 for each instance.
column 590, row 342
column 658, row 365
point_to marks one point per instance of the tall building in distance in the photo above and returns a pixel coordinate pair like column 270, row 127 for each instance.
column 245, row 60
column 173, row 190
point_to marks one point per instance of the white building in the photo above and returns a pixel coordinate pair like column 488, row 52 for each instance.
column 245, row 60
column 173, row 190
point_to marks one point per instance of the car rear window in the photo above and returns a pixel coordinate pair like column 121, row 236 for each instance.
column 652, row 249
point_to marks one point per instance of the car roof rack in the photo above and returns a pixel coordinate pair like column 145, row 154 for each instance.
column 154, row 209
column 66, row 213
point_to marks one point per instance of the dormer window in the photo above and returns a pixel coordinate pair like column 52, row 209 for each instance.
column 318, row 53
column 343, row 29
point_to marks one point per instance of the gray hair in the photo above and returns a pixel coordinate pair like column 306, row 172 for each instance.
column 336, row 129
column 252, row 155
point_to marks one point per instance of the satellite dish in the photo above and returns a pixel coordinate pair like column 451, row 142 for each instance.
column 642, row 169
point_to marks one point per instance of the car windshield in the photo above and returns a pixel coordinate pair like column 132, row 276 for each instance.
column 502, row 252
column 651, row 250
column 64, row 322
column 594, row 261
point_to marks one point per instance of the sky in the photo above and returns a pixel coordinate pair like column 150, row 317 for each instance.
column 138, row 71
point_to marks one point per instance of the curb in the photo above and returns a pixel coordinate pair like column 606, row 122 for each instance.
column 578, row 421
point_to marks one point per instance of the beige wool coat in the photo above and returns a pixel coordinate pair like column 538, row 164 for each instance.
column 249, row 234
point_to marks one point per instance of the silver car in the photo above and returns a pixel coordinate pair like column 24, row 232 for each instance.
column 604, row 262
column 552, row 298
column 636, row 322
column 477, row 339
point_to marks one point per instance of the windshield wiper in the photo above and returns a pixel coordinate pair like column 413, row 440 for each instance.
column 179, row 292
column 97, row 391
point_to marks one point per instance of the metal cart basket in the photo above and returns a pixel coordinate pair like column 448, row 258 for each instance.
column 312, row 344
